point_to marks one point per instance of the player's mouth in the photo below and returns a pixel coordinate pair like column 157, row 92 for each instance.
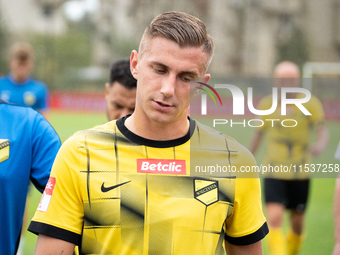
column 163, row 106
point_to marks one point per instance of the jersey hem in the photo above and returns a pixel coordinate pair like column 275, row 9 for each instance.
column 45, row 229
column 251, row 238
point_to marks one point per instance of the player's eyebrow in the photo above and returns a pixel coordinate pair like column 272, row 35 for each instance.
column 190, row 73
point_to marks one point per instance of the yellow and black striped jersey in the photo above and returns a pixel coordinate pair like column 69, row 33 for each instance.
column 287, row 141
column 114, row 192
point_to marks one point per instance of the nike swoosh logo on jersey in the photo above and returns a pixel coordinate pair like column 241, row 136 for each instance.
column 106, row 189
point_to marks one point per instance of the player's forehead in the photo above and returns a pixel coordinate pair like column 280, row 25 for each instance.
column 167, row 53
column 119, row 90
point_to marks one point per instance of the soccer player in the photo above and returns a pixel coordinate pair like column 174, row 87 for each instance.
column 120, row 91
column 18, row 87
column 28, row 146
column 286, row 146
column 127, row 187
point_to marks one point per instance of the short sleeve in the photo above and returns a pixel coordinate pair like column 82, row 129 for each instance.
column 316, row 110
column 247, row 224
column 43, row 97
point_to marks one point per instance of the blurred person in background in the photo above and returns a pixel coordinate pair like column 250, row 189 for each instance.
column 28, row 146
column 286, row 146
column 19, row 87
column 120, row 91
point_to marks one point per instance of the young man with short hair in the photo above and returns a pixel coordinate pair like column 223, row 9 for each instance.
column 127, row 187
column 18, row 87
column 120, row 91
column 288, row 146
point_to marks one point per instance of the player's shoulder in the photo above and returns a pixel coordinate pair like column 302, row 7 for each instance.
column 314, row 100
column 208, row 135
column 23, row 117
column 4, row 82
column 265, row 102
column 18, row 111
column 108, row 128
column 239, row 157
column 96, row 136
column 314, row 104
column 38, row 84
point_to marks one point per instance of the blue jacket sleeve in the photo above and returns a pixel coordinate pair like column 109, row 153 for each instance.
column 45, row 145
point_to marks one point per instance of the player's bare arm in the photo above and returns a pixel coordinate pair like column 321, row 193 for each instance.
column 321, row 143
column 53, row 246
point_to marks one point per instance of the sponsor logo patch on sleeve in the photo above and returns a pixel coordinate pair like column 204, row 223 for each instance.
column 47, row 195
column 161, row 166
column 4, row 149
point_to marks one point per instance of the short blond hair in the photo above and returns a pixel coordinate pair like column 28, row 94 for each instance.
column 182, row 28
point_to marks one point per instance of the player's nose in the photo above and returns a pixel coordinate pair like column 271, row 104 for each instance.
column 168, row 86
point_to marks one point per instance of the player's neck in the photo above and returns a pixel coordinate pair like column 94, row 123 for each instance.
column 142, row 126
column 18, row 79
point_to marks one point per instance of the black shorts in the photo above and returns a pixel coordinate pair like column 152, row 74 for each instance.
column 292, row 194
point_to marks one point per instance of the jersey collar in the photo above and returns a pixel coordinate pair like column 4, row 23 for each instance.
column 10, row 77
column 154, row 143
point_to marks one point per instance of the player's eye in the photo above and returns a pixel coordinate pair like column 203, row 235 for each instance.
column 117, row 106
column 186, row 78
column 160, row 71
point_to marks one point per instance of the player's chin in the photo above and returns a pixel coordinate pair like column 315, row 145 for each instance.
column 163, row 117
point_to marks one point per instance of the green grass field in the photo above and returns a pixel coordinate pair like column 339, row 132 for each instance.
column 319, row 223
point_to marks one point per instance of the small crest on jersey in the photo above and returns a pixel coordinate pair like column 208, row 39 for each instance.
column 206, row 191
column 47, row 195
column 29, row 98
column 4, row 149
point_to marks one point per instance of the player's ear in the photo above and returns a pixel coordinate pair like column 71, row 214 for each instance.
column 134, row 64
column 206, row 78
